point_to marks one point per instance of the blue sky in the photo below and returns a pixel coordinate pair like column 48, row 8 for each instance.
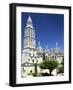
column 49, row 28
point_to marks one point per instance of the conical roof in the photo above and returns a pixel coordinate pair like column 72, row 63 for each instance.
column 29, row 19
column 29, row 22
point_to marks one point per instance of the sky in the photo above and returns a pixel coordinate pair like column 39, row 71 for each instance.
column 49, row 29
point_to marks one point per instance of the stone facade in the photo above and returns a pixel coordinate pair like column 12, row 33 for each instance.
column 32, row 55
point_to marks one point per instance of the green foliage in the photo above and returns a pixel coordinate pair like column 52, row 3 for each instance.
column 61, row 68
column 34, row 74
column 49, row 64
column 44, row 74
column 62, row 62
column 44, row 64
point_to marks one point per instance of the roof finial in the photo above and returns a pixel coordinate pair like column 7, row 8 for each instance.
column 29, row 22
column 39, row 44
column 56, row 44
column 46, row 46
column 29, row 19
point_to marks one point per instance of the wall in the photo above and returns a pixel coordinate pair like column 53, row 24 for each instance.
column 4, row 44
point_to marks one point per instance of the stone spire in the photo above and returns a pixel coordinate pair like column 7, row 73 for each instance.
column 29, row 34
column 46, row 50
column 56, row 44
column 29, row 22
column 39, row 46
column 46, row 47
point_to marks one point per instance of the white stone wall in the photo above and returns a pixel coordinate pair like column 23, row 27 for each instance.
column 29, row 69
column 26, row 71
column 59, row 59
column 26, row 57
column 30, row 55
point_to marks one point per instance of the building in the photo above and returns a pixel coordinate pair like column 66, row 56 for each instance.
column 32, row 55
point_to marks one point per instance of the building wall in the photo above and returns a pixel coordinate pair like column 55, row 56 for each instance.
column 26, row 71
column 30, row 56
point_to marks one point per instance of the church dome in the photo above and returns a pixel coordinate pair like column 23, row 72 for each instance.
column 57, row 51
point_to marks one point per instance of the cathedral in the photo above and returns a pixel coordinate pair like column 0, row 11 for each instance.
column 31, row 54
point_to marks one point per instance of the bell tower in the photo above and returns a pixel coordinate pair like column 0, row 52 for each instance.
column 29, row 34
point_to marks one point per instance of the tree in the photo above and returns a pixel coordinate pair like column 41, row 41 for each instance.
column 43, row 56
column 49, row 64
column 35, row 70
column 62, row 61
column 35, row 67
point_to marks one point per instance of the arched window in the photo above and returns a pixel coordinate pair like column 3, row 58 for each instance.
column 28, row 59
column 37, row 61
column 33, row 60
column 33, row 55
column 29, row 54
column 30, row 71
column 31, row 34
column 46, row 57
column 53, row 57
column 23, row 70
